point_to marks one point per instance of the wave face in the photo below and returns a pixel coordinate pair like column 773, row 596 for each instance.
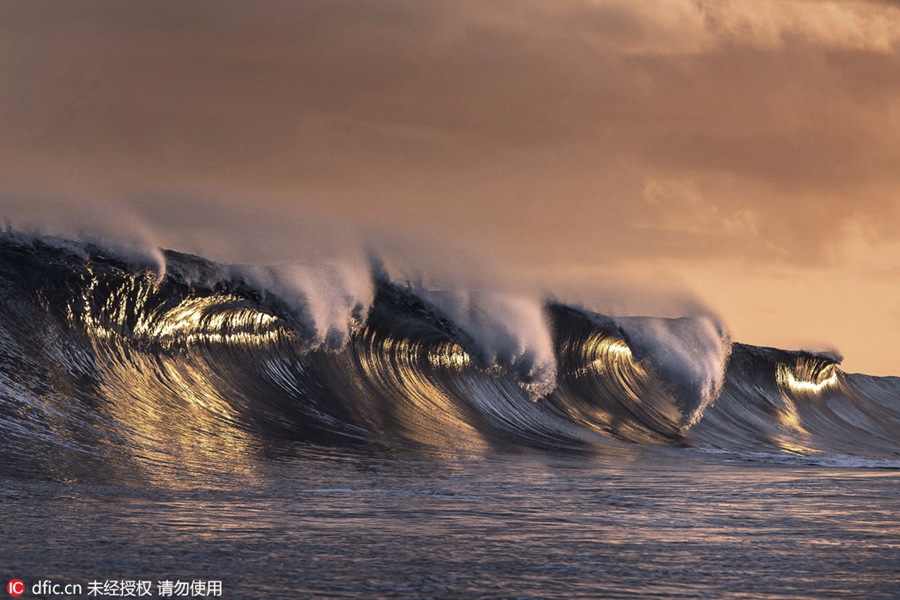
column 114, row 367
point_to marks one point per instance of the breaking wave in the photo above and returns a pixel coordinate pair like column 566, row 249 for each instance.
column 142, row 366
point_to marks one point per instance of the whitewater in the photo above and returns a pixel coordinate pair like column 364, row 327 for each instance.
column 371, row 435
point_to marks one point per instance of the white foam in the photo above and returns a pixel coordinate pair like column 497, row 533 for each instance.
column 691, row 352
column 508, row 330
column 329, row 298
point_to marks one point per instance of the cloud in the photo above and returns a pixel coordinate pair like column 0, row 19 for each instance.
column 533, row 128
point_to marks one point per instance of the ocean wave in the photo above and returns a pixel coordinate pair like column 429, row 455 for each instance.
column 114, row 363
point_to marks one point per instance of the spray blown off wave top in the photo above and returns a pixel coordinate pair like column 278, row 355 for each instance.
column 136, row 367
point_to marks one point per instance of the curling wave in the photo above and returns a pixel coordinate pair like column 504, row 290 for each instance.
column 110, row 364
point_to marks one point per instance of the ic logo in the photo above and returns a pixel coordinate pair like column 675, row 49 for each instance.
column 16, row 587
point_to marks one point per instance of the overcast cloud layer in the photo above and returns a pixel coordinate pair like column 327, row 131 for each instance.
column 748, row 148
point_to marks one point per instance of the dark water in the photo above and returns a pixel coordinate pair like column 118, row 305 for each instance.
column 632, row 525
column 300, row 433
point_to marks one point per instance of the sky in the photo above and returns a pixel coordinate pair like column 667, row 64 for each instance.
column 745, row 150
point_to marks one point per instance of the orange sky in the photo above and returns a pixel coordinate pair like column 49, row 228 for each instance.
column 747, row 149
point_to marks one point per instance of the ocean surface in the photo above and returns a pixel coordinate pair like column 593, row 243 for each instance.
column 295, row 432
